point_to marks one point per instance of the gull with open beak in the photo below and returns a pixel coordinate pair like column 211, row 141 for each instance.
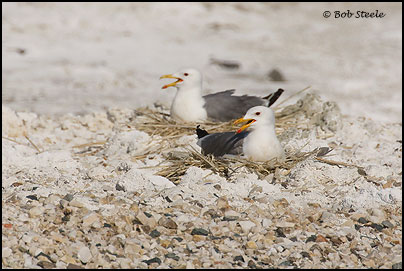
column 190, row 106
column 256, row 139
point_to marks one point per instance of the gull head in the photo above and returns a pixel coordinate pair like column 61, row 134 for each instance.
column 255, row 117
column 186, row 78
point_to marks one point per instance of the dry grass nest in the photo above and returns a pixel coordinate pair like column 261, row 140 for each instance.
column 157, row 121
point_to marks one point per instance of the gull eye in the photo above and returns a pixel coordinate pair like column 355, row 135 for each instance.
column 257, row 113
column 186, row 74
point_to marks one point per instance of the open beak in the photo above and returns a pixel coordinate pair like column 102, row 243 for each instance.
column 172, row 84
column 245, row 126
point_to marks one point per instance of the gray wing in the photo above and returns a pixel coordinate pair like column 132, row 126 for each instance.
column 220, row 144
column 223, row 106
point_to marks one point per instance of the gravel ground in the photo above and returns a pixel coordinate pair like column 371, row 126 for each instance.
column 83, row 191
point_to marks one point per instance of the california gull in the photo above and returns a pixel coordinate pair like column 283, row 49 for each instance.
column 258, row 143
column 190, row 106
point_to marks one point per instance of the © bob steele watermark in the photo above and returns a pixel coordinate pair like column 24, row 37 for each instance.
column 357, row 14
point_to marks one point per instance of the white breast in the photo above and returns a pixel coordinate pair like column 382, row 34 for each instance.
column 262, row 145
column 188, row 107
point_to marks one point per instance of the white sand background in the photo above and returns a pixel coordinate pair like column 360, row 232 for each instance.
column 64, row 66
column 86, row 57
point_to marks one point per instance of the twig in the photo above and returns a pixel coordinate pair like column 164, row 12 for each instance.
column 90, row 144
column 336, row 163
column 29, row 140
column 294, row 94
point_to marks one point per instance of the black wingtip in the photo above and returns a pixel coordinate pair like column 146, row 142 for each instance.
column 200, row 132
column 273, row 96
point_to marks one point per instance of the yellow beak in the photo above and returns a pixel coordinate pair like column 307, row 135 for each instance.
column 173, row 77
column 245, row 126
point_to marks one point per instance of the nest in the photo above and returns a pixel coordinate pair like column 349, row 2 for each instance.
column 226, row 166
column 157, row 121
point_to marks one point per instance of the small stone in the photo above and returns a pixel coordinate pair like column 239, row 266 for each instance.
column 36, row 211
column 6, row 252
column 246, row 226
column 155, row 233
column 387, row 224
column 231, row 213
column 238, row 258
column 251, row 264
column 377, row 226
column 90, row 218
column 222, row 204
column 285, row 224
column 266, row 222
column 153, row 260
column 76, row 203
column 74, row 266
column 305, row 254
column 167, row 223
column 111, row 249
column 84, row 254
column 199, row 231
column 230, row 218
column 369, row 263
column 32, row 197
column 165, row 243
column 251, row 244
column 179, row 239
column 172, row 256
column 217, row 187
column 286, row 263
column 68, row 197
column 320, row 238
column 212, row 213
column 46, row 264
column 279, row 232
column 275, row 75
column 312, row 238
column 119, row 187
column 336, row 241
column 149, row 221
column 363, row 220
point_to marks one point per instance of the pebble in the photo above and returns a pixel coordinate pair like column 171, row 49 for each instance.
column 172, row 256
column 6, row 252
column 251, row 244
column 90, row 218
column 363, row 220
column 155, row 233
column 167, row 223
column 68, row 197
column 84, row 254
column 321, row 238
column 246, row 226
column 74, row 266
column 153, row 260
column 46, row 264
column 199, row 231
column 36, row 211
column 387, row 224
column 147, row 221
column 312, row 238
